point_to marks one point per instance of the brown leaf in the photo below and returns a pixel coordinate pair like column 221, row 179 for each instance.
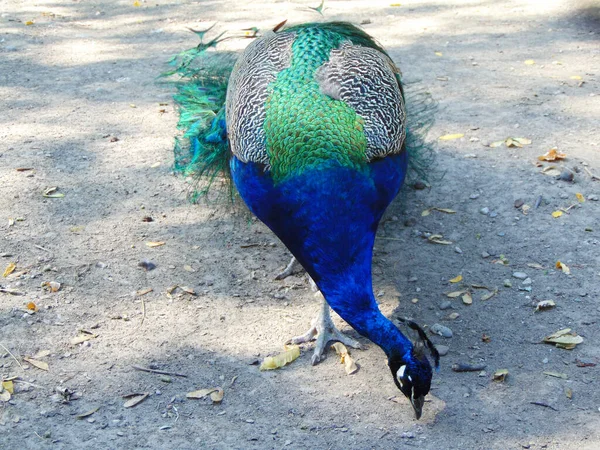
column 345, row 359
column 216, row 394
column 134, row 400
column 552, row 155
column 34, row 362
column 87, row 414
column 467, row 299
column 438, row 239
column 564, row 376
column 9, row 386
column 152, row 244
column 500, row 375
column 276, row 362
column 9, row 269
column 31, row 307
column 82, row 338
column 489, row 295
column 143, row 292
column 544, row 305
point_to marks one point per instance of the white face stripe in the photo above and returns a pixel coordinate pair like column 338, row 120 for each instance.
column 400, row 373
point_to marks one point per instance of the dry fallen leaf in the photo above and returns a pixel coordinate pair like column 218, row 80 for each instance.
column 517, row 142
column 529, row 62
column 535, row 265
column 345, row 358
column 83, row 337
column 51, row 192
column 4, row 395
column 438, row 53
column 87, row 414
column 438, row 239
column 564, row 339
column 485, row 338
column 453, row 316
column 500, row 375
column 575, row 77
column 29, row 22
column 564, row 376
column 580, row 197
column 456, row 279
column 496, row 144
column 188, row 268
column 52, row 286
column 41, row 354
column 137, row 3
column 557, row 214
column 8, row 385
column 34, row 362
column 155, row 244
column 216, row 394
column 450, row 137
column 563, row 267
column 276, row 362
column 9, row 269
column 467, row 299
column 489, row 295
column 569, row 393
column 545, row 305
column 134, row 399
column 31, row 307
column 552, row 155
column 455, row 293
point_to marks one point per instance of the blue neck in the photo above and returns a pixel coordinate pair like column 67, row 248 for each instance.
column 327, row 218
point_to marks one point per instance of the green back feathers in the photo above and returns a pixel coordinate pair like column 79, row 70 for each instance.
column 303, row 127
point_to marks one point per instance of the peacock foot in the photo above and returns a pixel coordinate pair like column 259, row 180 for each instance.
column 324, row 331
column 289, row 270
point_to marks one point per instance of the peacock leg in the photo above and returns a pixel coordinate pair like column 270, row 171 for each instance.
column 289, row 270
column 325, row 331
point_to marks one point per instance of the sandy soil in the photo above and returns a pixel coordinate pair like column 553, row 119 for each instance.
column 82, row 109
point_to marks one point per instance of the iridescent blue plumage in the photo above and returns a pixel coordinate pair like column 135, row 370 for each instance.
column 316, row 124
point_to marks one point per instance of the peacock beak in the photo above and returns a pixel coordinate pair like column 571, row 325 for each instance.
column 418, row 405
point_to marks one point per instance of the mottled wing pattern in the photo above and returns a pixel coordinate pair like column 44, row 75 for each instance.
column 247, row 93
column 365, row 79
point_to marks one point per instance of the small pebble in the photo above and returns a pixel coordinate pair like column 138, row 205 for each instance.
column 518, row 203
column 493, row 214
column 442, row 349
column 446, row 304
column 419, row 185
column 563, row 195
column 593, row 197
column 527, row 281
column 501, row 233
column 485, row 255
column 410, row 222
column 474, row 196
column 485, row 211
column 458, row 250
column 441, row 330
column 519, row 275
column 412, row 279
column 507, row 283
column 407, row 435
column 566, row 175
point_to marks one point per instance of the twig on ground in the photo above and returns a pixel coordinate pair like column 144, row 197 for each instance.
column 593, row 176
column 160, row 372
column 545, row 405
column 18, row 362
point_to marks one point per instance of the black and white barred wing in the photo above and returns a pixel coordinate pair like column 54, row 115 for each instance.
column 365, row 79
column 247, row 93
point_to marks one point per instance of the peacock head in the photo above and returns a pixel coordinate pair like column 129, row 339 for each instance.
column 412, row 372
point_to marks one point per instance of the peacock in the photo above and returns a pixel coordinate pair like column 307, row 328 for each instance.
column 310, row 122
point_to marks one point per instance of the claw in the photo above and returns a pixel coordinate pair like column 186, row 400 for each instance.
column 325, row 332
column 289, row 270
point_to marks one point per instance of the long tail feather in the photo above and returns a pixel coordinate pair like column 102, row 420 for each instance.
column 202, row 150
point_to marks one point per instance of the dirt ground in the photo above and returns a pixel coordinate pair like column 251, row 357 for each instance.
column 82, row 110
